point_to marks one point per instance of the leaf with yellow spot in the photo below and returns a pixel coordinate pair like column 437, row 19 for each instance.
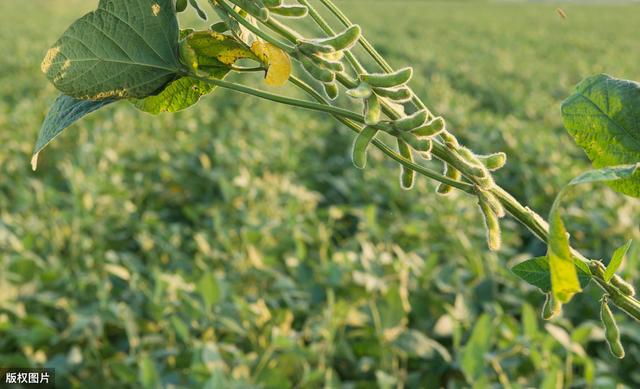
column 277, row 61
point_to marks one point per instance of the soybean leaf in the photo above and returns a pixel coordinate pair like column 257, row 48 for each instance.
column 564, row 276
column 125, row 48
column 479, row 344
column 616, row 260
column 64, row 112
column 415, row 344
column 602, row 116
column 536, row 271
column 178, row 95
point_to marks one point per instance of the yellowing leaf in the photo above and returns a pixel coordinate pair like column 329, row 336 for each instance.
column 277, row 61
column 564, row 277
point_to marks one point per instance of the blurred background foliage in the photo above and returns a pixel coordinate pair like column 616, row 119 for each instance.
column 235, row 246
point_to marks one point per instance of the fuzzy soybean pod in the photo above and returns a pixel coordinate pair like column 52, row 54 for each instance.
column 290, row 11
column 422, row 145
column 432, row 128
column 611, row 330
column 316, row 71
column 399, row 95
column 493, row 202
column 331, row 89
column 493, row 162
column 388, row 80
column 626, row 288
column 492, row 224
column 362, row 91
column 360, row 146
column 450, row 140
column 181, row 5
column 551, row 307
column 344, row 40
column 272, row 3
column 372, row 110
column 255, row 8
column 453, row 173
column 313, row 47
column 407, row 176
column 334, row 66
column 411, row 122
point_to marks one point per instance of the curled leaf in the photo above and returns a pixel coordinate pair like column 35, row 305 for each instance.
column 277, row 61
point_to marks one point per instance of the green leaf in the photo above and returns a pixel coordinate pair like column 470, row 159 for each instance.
column 616, row 260
column 602, row 116
column 126, row 48
column 178, row 95
column 416, row 344
column 209, row 289
column 536, row 272
column 479, row 344
column 613, row 173
column 64, row 112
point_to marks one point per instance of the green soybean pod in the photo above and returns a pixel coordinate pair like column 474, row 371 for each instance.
column 626, row 288
column 272, row 3
column 432, row 128
column 313, row 47
column 290, row 11
column 454, row 174
column 551, row 307
column 400, row 95
column 331, row 89
column 255, row 8
column 388, row 80
column 407, row 176
column 344, row 40
column 362, row 91
column 450, row 140
column 199, row 10
column 611, row 330
column 181, row 5
column 492, row 224
column 411, row 122
column 360, row 146
column 219, row 27
column 372, row 110
column 493, row 162
column 334, row 66
column 421, row 145
column 493, row 202
column 317, row 72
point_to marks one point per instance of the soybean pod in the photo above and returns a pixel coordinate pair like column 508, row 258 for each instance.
column 432, row 128
column 194, row 4
column 181, row 5
column 400, row 95
column 331, row 89
column 626, row 288
column 454, row 174
column 362, row 91
column 334, row 66
column 254, row 8
column 290, row 11
column 611, row 330
column 372, row 110
column 388, row 80
column 493, row 162
column 344, row 40
column 492, row 224
column 311, row 47
column 272, row 3
column 407, row 176
column 411, row 122
column 360, row 146
column 450, row 140
column 551, row 308
column 317, row 72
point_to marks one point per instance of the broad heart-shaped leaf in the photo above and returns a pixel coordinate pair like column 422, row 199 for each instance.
column 64, row 112
column 602, row 116
column 536, row 272
column 125, row 48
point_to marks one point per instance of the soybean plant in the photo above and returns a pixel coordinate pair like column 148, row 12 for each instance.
column 135, row 51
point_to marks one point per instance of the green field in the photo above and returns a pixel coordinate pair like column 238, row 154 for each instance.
column 234, row 245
